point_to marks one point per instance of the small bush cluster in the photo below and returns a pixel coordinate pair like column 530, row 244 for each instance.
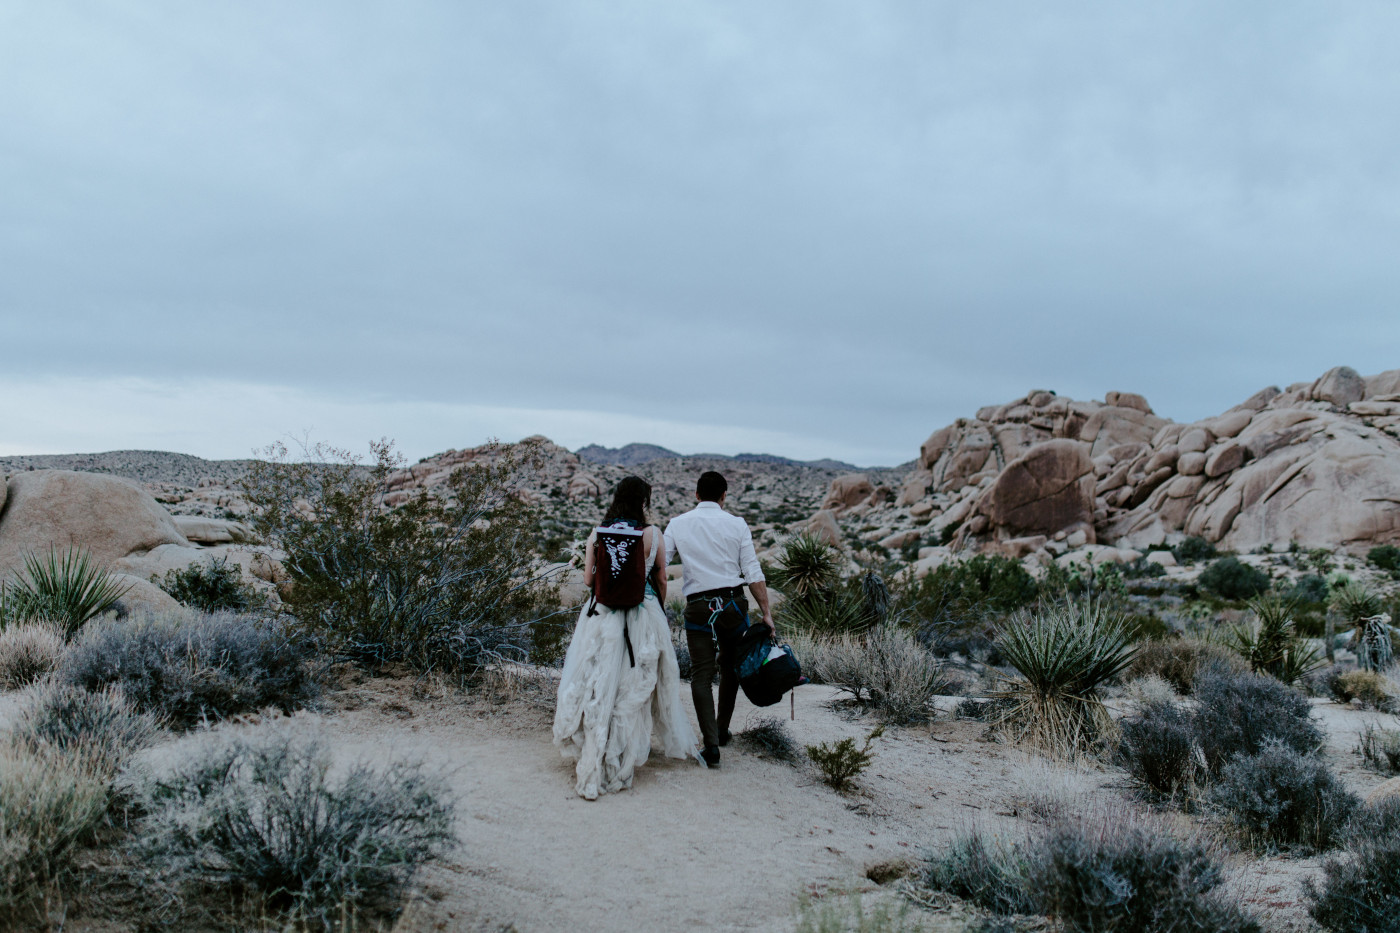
column 1278, row 797
column 1385, row 557
column 1109, row 874
column 1360, row 891
column 99, row 730
column 769, row 737
column 1159, row 748
column 1230, row 578
column 265, row 818
column 28, row 651
column 887, row 671
column 189, row 668
column 1179, row 661
column 1241, row 714
column 1380, row 748
column 843, row 761
column 847, row 913
column 1369, row 688
column 1193, row 549
column 212, row 586
column 50, row 805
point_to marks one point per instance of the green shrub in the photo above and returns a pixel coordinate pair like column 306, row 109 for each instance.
column 981, row 587
column 1380, row 748
column 1281, row 798
column 1193, row 549
column 265, row 817
column 1309, row 588
column 67, row 591
column 1385, row 557
column 1229, row 578
column 101, row 731
column 1120, row 876
column 988, row 871
column 49, row 806
column 1158, row 748
column 442, row 582
column 1272, row 645
column 212, row 586
column 1360, row 891
column 1064, row 652
column 887, row 671
column 843, row 761
column 1179, row 661
column 191, row 668
column 28, row 651
column 1239, row 714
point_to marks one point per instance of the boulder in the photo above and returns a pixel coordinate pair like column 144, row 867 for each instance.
column 823, row 525
column 899, row 539
column 1112, row 426
column 1383, row 384
column 143, row 596
column 1048, row 489
column 1128, row 400
column 584, row 485
column 1224, row 458
column 1230, row 423
column 109, row 516
column 915, row 487
column 1259, row 400
column 1191, row 463
column 1387, row 790
column 1194, row 440
column 1162, row 558
column 202, row 530
column 1339, row 386
column 846, row 491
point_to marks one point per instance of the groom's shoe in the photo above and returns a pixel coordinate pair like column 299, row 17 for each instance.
column 724, row 738
column 711, row 755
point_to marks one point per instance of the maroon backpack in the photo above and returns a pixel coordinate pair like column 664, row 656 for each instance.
column 619, row 572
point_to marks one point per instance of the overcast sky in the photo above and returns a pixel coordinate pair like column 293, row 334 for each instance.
column 816, row 229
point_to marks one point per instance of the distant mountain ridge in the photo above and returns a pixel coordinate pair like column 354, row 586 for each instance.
column 633, row 455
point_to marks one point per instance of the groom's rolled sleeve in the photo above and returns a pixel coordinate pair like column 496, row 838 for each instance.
column 748, row 560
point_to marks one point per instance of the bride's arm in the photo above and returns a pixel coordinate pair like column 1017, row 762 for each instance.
column 588, row 560
column 660, row 567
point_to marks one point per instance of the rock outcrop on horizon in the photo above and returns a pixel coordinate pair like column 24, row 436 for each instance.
column 1317, row 463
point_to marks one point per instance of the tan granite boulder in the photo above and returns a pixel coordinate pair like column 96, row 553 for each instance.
column 1049, row 489
column 109, row 516
column 1339, row 386
column 848, row 490
column 824, row 527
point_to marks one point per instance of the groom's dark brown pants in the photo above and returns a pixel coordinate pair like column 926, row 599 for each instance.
column 704, row 658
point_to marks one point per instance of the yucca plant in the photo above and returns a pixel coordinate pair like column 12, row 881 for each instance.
column 1354, row 603
column 1271, row 643
column 66, row 590
column 1064, row 651
column 835, row 613
column 809, row 568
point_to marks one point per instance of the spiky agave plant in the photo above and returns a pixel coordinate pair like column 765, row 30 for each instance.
column 1064, row 652
column 67, row 590
column 809, row 568
column 1354, row 603
column 1271, row 643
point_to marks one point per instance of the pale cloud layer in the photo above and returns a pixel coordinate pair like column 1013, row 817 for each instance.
column 819, row 229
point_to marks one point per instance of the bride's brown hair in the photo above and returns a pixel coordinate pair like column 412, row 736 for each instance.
column 631, row 500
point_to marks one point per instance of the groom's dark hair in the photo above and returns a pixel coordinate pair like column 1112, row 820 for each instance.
column 711, row 486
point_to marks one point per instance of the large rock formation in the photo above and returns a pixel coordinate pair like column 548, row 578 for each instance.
column 1317, row 463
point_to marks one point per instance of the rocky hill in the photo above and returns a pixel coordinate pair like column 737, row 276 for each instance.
column 634, row 455
column 1317, row 464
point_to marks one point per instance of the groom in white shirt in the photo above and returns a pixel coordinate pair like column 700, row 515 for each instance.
column 717, row 560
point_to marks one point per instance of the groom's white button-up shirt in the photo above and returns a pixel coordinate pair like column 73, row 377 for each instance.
column 716, row 549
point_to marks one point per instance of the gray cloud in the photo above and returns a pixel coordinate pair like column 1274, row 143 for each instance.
column 842, row 223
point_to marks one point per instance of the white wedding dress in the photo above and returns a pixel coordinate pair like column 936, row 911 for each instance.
column 608, row 709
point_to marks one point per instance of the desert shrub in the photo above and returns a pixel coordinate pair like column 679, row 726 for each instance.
column 99, row 730
column 1230, row 578
column 49, row 806
column 850, row 914
column 1143, row 569
column 887, row 671
column 264, row 818
column 28, row 651
column 1271, row 643
column 188, row 668
column 990, row 709
column 770, row 737
column 1158, row 748
column 1309, row 588
column 67, row 591
column 1360, row 891
column 1064, row 652
column 808, row 568
column 1385, row 557
column 682, row 649
column 1239, row 714
column 988, row 871
column 212, row 586
column 1111, row 875
column 441, row 582
column 1366, row 686
column 1179, row 661
column 1380, row 748
column 1281, row 798
column 843, row 761
column 1193, row 549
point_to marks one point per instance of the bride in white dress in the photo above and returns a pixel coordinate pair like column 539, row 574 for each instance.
column 608, row 707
